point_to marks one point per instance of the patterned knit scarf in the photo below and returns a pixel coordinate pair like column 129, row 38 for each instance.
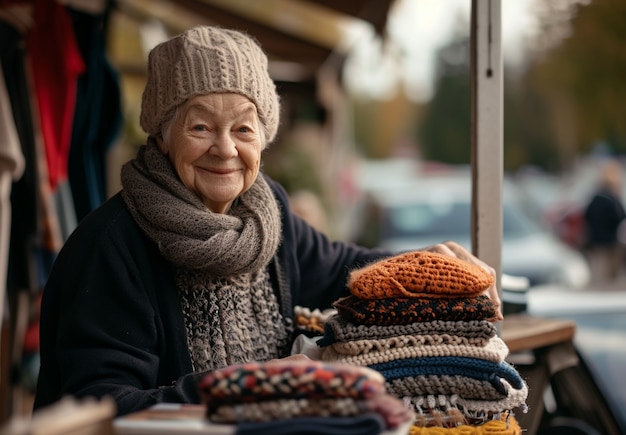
column 230, row 309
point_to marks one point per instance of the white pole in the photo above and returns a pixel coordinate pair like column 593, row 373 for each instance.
column 487, row 119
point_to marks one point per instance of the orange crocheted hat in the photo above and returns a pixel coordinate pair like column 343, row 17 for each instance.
column 419, row 274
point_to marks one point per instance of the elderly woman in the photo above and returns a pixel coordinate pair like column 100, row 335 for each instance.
column 198, row 262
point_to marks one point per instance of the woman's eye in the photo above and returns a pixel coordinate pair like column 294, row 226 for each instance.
column 244, row 129
column 199, row 128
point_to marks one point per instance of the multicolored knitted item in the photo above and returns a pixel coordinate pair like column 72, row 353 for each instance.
column 403, row 311
column 506, row 425
column 474, row 332
column 419, row 274
column 370, row 352
column 307, row 320
column 393, row 412
column 285, row 389
column 424, row 322
column 254, row 382
column 452, row 365
column 279, row 409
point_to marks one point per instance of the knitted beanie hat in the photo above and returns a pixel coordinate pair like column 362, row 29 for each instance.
column 419, row 274
column 205, row 60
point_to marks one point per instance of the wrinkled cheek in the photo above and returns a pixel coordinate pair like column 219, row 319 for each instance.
column 187, row 176
column 249, row 179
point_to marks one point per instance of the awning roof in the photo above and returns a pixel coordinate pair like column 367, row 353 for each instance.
column 298, row 34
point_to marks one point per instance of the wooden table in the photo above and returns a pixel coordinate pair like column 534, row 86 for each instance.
column 522, row 332
column 539, row 347
column 170, row 418
column 176, row 419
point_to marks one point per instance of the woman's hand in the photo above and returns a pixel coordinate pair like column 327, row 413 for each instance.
column 296, row 357
column 453, row 249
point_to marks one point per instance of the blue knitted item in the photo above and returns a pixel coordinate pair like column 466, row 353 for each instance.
column 452, row 365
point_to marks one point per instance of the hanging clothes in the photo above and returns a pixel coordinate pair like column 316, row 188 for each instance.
column 11, row 168
column 25, row 210
column 58, row 114
column 98, row 116
column 56, row 64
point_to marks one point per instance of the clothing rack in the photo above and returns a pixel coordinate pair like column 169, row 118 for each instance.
column 60, row 110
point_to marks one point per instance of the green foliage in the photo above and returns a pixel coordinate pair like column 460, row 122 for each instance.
column 293, row 167
column 587, row 70
column 571, row 94
column 445, row 132
column 527, row 129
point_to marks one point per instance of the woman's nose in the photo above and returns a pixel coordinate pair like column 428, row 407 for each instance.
column 223, row 146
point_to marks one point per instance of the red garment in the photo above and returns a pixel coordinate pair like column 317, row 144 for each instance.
column 56, row 64
column 31, row 335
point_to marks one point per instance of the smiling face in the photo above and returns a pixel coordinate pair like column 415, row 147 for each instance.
column 214, row 143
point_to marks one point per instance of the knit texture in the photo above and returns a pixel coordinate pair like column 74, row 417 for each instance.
column 284, row 389
column 370, row 352
column 473, row 409
column 311, row 321
column 231, row 320
column 278, row 409
column 507, row 425
column 402, row 311
column 424, row 322
column 254, row 382
column 462, row 386
column 477, row 332
column 190, row 235
column 391, row 409
column 419, row 274
column 462, row 366
column 205, row 60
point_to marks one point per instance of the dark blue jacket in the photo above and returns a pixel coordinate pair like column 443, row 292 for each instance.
column 603, row 216
column 111, row 321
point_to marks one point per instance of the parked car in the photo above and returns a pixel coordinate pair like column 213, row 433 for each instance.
column 427, row 210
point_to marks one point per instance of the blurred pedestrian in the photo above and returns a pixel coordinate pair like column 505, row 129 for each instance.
column 603, row 216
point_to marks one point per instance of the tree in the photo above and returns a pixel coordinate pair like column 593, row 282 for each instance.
column 582, row 74
column 445, row 131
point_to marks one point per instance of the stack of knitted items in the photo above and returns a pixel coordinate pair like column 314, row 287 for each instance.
column 286, row 396
column 421, row 320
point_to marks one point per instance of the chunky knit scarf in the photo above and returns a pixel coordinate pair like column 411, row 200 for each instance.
column 188, row 234
column 231, row 312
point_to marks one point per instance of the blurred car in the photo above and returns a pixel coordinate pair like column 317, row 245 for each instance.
column 590, row 396
column 432, row 209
